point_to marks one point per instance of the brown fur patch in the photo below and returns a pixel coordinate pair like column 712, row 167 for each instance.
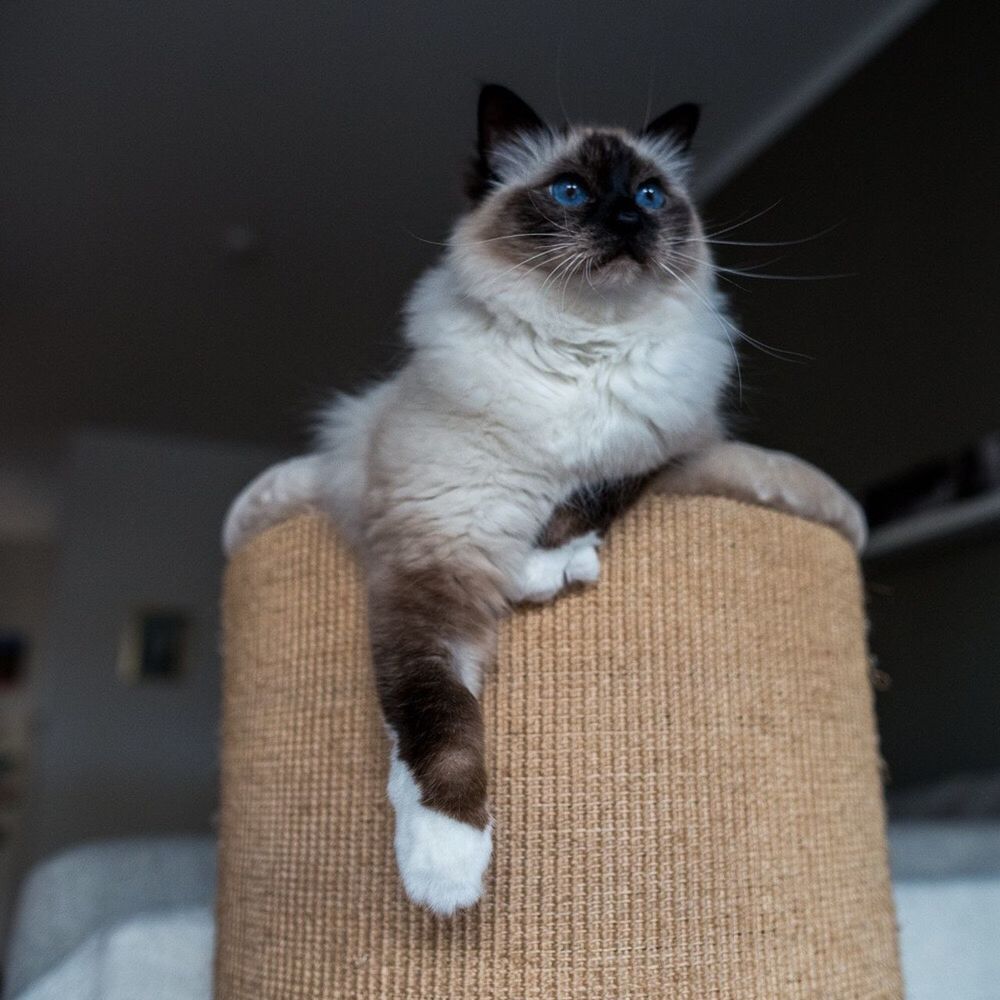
column 418, row 617
column 591, row 508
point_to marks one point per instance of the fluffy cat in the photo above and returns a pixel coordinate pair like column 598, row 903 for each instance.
column 569, row 347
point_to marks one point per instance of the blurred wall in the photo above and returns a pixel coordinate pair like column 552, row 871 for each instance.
column 24, row 588
column 936, row 630
column 139, row 528
column 26, row 570
column 904, row 361
column 903, row 353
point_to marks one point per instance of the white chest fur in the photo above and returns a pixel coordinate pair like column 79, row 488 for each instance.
column 597, row 399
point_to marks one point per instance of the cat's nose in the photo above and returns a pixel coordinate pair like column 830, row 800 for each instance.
column 624, row 220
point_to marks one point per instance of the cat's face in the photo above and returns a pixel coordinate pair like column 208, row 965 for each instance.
column 584, row 207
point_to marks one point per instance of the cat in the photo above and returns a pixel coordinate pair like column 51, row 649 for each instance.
column 568, row 351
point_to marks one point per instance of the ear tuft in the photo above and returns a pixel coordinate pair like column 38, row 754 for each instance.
column 679, row 123
column 502, row 114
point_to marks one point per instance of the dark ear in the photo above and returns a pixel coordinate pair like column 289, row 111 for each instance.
column 679, row 123
column 502, row 114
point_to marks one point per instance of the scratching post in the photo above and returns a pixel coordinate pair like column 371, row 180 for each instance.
column 684, row 775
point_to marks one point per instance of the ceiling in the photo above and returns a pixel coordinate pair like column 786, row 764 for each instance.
column 209, row 211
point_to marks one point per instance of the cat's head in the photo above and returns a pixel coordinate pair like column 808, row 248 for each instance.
column 582, row 208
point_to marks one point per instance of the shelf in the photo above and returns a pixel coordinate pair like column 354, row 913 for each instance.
column 935, row 525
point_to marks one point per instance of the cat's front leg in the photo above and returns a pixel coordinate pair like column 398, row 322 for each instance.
column 771, row 479
column 566, row 548
column 441, row 859
column 546, row 572
column 432, row 630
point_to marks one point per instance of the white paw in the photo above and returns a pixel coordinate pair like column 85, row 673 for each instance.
column 584, row 565
column 441, row 860
column 547, row 571
column 275, row 494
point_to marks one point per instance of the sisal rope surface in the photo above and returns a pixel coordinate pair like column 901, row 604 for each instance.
column 683, row 770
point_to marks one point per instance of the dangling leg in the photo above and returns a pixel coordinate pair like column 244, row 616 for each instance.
column 432, row 631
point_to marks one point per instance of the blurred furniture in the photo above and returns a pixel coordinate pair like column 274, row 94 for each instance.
column 946, row 876
column 116, row 920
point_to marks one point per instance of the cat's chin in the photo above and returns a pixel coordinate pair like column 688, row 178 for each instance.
column 619, row 273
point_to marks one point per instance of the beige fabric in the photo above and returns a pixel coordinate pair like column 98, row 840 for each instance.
column 684, row 776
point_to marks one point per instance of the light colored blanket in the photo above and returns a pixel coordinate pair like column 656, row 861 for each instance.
column 152, row 956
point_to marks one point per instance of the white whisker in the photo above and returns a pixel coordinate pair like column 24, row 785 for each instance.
column 778, row 353
column 553, row 274
column 755, row 270
column 724, row 324
column 775, row 243
column 472, row 243
column 581, row 259
column 545, row 254
column 541, row 264
column 744, row 222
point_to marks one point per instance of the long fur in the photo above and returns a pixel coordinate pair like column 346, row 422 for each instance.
column 540, row 373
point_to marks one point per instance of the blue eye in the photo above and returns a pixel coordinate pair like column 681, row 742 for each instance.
column 650, row 195
column 569, row 191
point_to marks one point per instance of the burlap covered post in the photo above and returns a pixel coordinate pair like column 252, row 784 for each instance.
column 684, row 777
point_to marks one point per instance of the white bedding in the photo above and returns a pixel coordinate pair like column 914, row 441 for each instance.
column 152, row 956
column 949, row 932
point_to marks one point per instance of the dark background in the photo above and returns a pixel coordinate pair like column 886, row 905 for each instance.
column 905, row 360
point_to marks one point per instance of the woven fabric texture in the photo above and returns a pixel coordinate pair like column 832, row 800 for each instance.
column 684, row 775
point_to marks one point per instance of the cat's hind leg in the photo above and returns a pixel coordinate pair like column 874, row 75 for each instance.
column 278, row 492
column 771, row 479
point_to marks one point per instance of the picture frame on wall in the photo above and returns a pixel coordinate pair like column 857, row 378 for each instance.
column 154, row 646
column 13, row 657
